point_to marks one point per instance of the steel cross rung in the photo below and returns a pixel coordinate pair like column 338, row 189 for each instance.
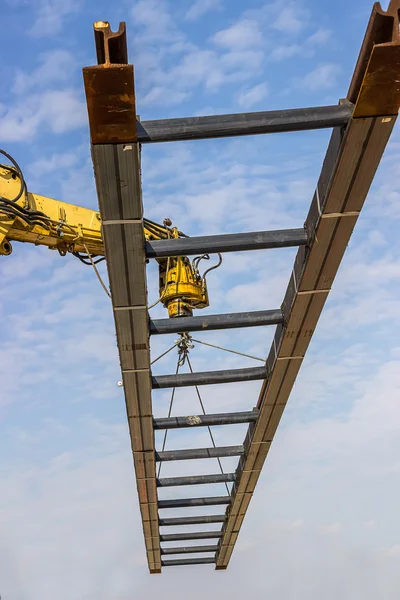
column 229, row 242
column 188, row 561
column 206, row 420
column 198, row 535
column 209, row 377
column 172, row 521
column 196, row 479
column 184, row 502
column 273, row 121
column 189, row 549
column 168, row 455
column 213, row 322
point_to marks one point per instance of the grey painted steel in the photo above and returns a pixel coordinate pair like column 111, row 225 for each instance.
column 274, row 121
column 198, row 535
column 196, row 479
column 205, row 420
column 213, row 322
column 189, row 549
column 229, row 242
column 118, row 183
column 168, row 455
column 188, row 561
column 172, row 521
column 209, row 377
column 185, row 502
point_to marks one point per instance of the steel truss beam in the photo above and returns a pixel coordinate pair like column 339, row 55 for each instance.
column 362, row 126
column 118, row 181
column 348, row 170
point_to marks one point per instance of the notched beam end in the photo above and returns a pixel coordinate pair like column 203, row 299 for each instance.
column 374, row 88
column 111, row 46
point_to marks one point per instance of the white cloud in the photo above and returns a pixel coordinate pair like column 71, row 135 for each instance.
column 203, row 68
column 306, row 49
column 59, row 111
column 202, row 7
column 289, row 20
column 322, row 78
column 50, row 16
column 155, row 18
column 57, row 67
column 55, row 162
column 240, row 36
column 286, row 51
column 321, row 36
column 162, row 95
column 253, row 95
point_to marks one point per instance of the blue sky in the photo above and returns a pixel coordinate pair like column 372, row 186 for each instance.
column 323, row 521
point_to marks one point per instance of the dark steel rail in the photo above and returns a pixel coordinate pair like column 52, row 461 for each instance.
column 188, row 561
column 212, row 322
column 222, row 451
column 274, row 121
column 205, row 420
column 196, row 479
column 198, row 535
column 228, row 242
column 172, row 521
column 189, row 549
column 185, row 502
column 209, row 377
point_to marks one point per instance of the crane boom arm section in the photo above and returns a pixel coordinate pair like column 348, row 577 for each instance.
column 39, row 220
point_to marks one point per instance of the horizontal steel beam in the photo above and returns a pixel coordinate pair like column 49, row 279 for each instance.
column 196, row 479
column 185, row 502
column 198, row 535
column 213, row 322
column 168, row 455
column 189, row 549
column 209, row 377
column 179, row 562
column 205, row 420
column 172, row 521
column 229, row 242
column 215, row 126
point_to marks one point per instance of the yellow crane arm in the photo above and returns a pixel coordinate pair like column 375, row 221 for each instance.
column 28, row 217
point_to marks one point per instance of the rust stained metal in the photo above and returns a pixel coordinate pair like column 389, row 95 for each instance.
column 375, row 86
column 109, row 88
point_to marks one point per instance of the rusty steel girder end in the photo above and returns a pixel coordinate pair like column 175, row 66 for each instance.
column 111, row 46
column 375, row 88
column 109, row 88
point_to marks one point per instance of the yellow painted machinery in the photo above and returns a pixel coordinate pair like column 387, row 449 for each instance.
column 28, row 217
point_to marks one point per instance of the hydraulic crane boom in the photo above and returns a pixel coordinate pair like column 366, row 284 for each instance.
column 28, row 217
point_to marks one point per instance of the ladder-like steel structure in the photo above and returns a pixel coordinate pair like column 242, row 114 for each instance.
column 362, row 124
